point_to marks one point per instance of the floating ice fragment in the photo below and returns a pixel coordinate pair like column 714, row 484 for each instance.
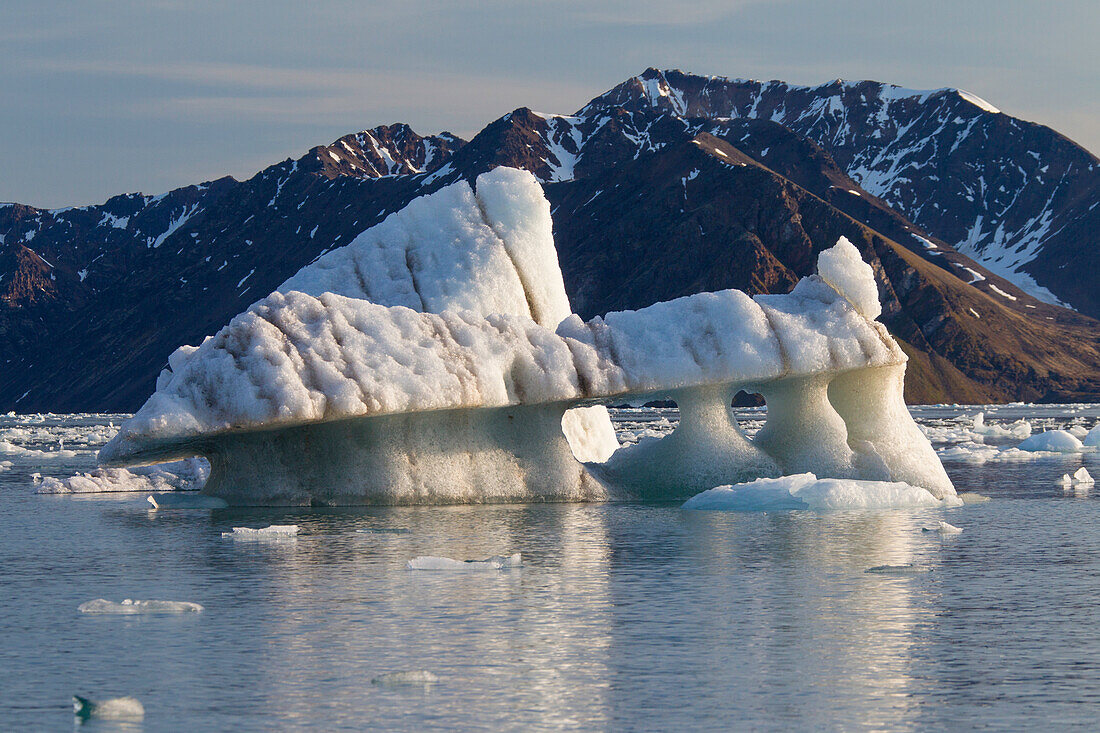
column 117, row 708
column 411, row 677
column 1020, row 429
column 186, row 475
column 186, row 501
column 1081, row 477
column 129, row 606
column 1092, row 439
column 496, row 562
column 943, row 528
column 970, row 497
column 904, row 569
column 1055, row 441
column 274, row 531
column 807, row 491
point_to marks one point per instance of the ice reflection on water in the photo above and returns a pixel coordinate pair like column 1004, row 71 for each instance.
column 622, row 617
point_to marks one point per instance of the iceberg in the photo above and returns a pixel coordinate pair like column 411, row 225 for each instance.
column 434, row 360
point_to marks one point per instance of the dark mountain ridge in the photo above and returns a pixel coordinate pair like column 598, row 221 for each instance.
column 654, row 196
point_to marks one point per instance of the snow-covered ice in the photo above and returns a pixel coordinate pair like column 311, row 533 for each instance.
column 129, row 606
column 496, row 562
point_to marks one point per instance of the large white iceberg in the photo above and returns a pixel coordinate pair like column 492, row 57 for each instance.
column 434, row 360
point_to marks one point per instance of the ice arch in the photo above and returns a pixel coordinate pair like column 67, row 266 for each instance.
column 331, row 399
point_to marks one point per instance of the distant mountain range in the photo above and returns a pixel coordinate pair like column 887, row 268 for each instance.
column 978, row 225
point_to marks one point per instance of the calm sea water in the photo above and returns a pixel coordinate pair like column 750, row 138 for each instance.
column 622, row 617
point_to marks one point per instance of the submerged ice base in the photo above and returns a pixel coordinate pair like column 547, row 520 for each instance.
column 325, row 397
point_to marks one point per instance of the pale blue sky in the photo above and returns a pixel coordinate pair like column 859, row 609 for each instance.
column 108, row 96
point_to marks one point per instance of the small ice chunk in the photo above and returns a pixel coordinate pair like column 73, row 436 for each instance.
column 1082, row 477
column 1055, row 441
column 117, row 708
column 904, row 569
column 970, row 497
column 274, row 531
column 129, row 606
column 1020, row 429
column 806, row 491
column 496, row 562
column 943, row 528
column 411, row 677
column 186, row 501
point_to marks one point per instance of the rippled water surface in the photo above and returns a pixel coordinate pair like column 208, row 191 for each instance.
column 621, row 617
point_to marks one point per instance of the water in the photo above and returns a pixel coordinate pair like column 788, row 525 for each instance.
column 622, row 616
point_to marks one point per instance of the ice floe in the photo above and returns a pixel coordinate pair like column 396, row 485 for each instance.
column 807, row 491
column 129, row 606
column 1052, row 441
column 116, row 708
column 411, row 677
column 271, row 532
column 943, row 528
column 187, row 475
column 900, row 569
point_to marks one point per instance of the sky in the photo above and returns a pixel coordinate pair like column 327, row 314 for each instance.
column 101, row 97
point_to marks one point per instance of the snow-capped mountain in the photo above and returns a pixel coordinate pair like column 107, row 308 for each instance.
column 667, row 185
column 1015, row 196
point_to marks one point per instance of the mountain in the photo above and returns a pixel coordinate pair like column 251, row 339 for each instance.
column 667, row 185
column 1016, row 196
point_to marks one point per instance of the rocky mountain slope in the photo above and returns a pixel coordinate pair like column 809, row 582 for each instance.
column 666, row 185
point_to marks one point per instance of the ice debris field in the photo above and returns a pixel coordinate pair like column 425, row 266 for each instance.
column 435, row 359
